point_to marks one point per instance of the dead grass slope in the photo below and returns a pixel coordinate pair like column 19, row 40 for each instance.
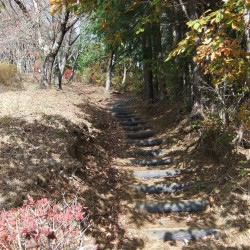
column 57, row 144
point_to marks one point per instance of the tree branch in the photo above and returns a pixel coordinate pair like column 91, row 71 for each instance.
column 22, row 7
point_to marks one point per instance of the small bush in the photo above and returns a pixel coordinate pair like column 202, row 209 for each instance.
column 5, row 120
column 9, row 76
column 215, row 141
column 42, row 224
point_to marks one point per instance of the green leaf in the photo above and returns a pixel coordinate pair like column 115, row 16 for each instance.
column 196, row 26
column 219, row 17
column 140, row 30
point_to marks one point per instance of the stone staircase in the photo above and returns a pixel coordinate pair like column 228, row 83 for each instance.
column 155, row 177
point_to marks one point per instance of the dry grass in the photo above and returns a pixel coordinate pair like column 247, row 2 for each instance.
column 10, row 79
column 57, row 144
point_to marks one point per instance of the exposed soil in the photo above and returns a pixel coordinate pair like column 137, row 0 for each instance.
column 58, row 143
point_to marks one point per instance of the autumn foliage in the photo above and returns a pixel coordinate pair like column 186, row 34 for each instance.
column 42, row 223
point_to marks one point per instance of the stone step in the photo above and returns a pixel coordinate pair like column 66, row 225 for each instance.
column 133, row 119
column 136, row 128
column 146, row 143
column 122, row 113
column 184, row 234
column 148, row 174
column 142, row 135
column 152, row 162
column 119, row 109
column 161, row 188
column 150, row 153
column 130, row 116
column 131, row 123
column 124, row 116
column 173, row 206
column 119, row 105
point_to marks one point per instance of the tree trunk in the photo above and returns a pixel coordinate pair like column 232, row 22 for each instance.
column 240, row 130
column 47, row 69
column 158, row 58
column 59, row 80
column 124, row 77
column 198, row 108
column 179, row 72
column 247, row 38
column 64, row 26
column 74, row 67
column 109, row 71
column 197, row 112
column 147, row 67
column 63, row 58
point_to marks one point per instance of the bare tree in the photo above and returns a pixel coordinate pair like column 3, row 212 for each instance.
column 66, row 52
column 27, row 29
column 17, row 44
column 51, row 32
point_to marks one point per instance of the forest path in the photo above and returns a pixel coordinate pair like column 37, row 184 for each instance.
column 162, row 213
column 73, row 146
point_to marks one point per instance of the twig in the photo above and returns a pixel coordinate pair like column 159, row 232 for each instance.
column 18, row 237
column 44, row 190
column 4, row 246
column 242, row 189
column 220, row 179
column 12, row 154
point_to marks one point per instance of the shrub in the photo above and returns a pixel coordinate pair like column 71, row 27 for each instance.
column 42, row 224
column 215, row 141
column 9, row 76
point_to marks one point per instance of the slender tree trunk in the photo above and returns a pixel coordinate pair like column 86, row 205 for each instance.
column 63, row 58
column 147, row 65
column 197, row 108
column 247, row 38
column 158, row 57
column 124, row 77
column 109, row 72
column 179, row 72
column 22, row 7
column 59, row 80
column 197, row 112
column 74, row 67
column 48, row 69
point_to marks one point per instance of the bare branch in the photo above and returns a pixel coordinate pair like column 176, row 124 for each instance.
column 22, row 7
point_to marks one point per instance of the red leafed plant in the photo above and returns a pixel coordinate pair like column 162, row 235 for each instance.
column 43, row 224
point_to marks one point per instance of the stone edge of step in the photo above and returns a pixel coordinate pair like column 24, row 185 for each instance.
column 140, row 135
column 152, row 162
column 161, row 188
column 147, row 174
column 146, row 142
column 136, row 128
column 182, row 234
column 151, row 153
column 132, row 123
column 173, row 206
